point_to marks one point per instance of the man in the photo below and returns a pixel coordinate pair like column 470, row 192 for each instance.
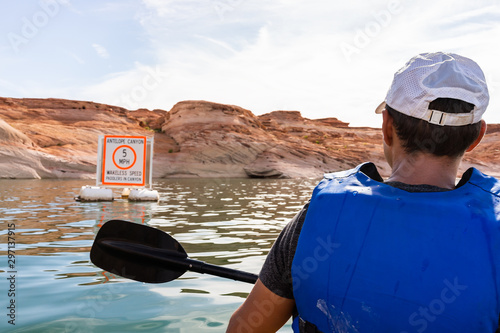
column 417, row 252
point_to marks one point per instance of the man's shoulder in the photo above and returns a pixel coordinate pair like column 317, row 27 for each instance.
column 483, row 181
column 368, row 168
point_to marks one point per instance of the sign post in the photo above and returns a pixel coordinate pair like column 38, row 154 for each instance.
column 124, row 161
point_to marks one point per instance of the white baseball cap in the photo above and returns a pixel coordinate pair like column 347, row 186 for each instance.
column 429, row 76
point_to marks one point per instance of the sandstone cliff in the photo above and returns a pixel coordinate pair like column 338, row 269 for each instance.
column 54, row 138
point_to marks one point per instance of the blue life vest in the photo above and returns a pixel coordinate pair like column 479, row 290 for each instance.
column 374, row 258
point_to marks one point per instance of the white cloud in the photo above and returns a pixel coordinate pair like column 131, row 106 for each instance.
column 101, row 51
column 77, row 58
column 322, row 57
column 290, row 57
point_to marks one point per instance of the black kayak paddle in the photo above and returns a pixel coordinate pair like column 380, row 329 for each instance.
column 147, row 254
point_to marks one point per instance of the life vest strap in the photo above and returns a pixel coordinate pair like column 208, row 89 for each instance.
column 307, row 327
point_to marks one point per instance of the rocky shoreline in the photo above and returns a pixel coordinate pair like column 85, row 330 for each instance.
column 56, row 138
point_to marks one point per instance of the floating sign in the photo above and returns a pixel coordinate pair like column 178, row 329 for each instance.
column 124, row 160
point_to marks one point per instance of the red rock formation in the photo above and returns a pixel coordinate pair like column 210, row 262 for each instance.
column 47, row 138
column 62, row 136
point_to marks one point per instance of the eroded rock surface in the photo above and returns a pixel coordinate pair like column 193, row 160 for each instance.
column 55, row 138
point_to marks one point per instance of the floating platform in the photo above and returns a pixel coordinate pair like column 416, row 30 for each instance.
column 94, row 193
column 143, row 194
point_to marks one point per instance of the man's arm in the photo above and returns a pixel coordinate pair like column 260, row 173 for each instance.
column 263, row 311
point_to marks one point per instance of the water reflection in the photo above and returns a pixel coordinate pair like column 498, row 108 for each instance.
column 230, row 222
column 48, row 220
column 210, row 218
column 233, row 219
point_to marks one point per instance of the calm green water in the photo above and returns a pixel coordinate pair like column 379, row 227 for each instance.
column 57, row 289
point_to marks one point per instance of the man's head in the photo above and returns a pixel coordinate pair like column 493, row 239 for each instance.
column 436, row 101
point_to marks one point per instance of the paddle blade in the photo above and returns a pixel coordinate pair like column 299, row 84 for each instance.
column 133, row 251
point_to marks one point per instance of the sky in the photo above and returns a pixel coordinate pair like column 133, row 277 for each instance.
column 322, row 58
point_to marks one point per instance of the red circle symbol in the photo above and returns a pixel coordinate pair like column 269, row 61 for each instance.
column 124, row 159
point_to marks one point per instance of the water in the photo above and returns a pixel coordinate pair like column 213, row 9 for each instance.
column 56, row 288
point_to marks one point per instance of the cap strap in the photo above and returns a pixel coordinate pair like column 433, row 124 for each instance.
column 448, row 119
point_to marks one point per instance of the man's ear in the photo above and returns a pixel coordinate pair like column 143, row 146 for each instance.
column 387, row 128
column 479, row 138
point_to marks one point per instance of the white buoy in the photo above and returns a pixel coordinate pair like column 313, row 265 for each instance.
column 95, row 193
column 143, row 194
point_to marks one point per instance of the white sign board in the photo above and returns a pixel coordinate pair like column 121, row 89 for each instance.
column 124, row 161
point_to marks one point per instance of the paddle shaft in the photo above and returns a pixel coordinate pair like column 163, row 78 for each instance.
column 172, row 259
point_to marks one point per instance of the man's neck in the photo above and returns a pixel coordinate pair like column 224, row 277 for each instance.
column 416, row 169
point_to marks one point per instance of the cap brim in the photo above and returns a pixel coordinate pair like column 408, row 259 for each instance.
column 380, row 108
